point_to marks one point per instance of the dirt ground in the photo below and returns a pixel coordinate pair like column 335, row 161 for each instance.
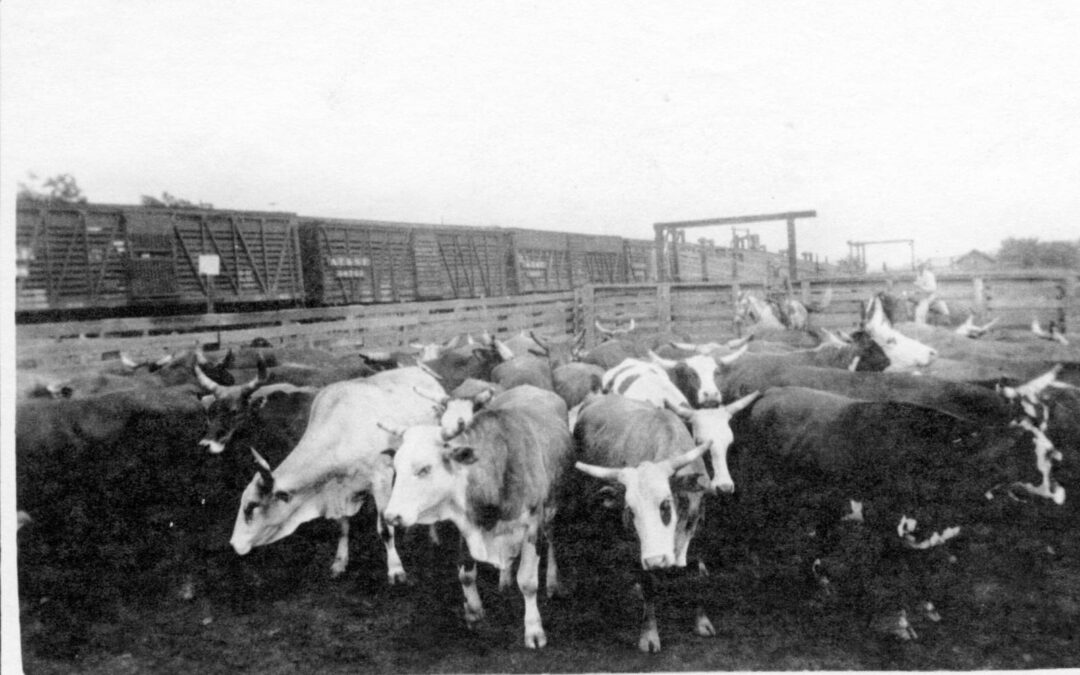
column 1011, row 600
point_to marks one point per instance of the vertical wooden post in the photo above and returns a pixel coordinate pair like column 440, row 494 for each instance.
column 1071, row 304
column 586, row 301
column 663, row 307
column 736, row 326
column 978, row 290
column 804, row 292
column 661, row 260
column 792, row 260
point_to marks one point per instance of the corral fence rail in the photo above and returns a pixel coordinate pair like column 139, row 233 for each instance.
column 85, row 345
column 702, row 310
column 706, row 310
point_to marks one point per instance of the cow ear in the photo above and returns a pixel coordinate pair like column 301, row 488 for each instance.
column 207, row 401
column 282, row 496
column 229, row 359
column 611, row 496
column 686, row 482
column 463, row 455
column 387, row 457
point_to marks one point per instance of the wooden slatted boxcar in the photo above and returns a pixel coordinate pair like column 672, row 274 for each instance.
column 103, row 259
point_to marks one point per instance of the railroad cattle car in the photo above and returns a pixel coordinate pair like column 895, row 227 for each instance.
column 101, row 258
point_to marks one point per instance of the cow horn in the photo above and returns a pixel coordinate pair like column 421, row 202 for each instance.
column 692, row 455
column 392, row 431
column 739, row 342
column 682, row 410
column 200, row 357
column 441, row 401
column 543, row 345
column 736, row 406
column 831, row 338
column 504, row 352
column 601, row 472
column 264, row 468
column 730, row 358
column 427, row 369
column 1033, row 388
column 127, row 361
column 666, row 364
column 206, row 383
column 260, row 378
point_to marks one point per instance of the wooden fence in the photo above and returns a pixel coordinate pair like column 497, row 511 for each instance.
column 85, row 345
column 706, row 311
column 702, row 310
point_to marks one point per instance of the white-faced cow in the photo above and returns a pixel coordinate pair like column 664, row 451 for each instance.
column 655, row 475
column 496, row 481
column 903, row 352
column 337, row 462
column 695, row 376
column 650, row 383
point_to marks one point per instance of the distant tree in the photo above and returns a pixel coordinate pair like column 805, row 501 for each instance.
column 167, row 201
column 1030, row 252
column 59, row 188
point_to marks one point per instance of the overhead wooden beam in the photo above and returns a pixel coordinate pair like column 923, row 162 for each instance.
column 738, row 220
column 665, row 264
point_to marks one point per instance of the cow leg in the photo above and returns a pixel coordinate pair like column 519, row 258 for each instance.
column 702, row 625
column 650, row 635
column 395, row 571
column 474, row 609
column 528, row 578
column 341, row 558
column 551, row 580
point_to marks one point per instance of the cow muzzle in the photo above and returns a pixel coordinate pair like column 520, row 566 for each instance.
column 723, row 487
column 214, row 447
column 658, row 562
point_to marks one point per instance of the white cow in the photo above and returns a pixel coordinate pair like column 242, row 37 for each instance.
column 338, row 461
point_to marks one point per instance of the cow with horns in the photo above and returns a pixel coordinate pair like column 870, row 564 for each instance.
column 336, row 462
column 497, row 481
column 649, row 469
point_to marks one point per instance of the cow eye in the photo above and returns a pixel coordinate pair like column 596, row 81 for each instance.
column 248, row 510
column 665, row 511
column 423, row 471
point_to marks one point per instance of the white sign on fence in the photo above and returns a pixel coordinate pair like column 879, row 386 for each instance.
column 209, row 264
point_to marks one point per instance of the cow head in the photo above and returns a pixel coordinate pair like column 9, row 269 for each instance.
column 697, row 376
column 558, row 351
column 652, row 492
column 902, row 351
column 269, row 511
column 868, row 356
column 430, row 478
column 712, row 427
column 458, row 412
column 225, row 407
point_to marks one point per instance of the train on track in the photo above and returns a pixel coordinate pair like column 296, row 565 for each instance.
column 79, row 260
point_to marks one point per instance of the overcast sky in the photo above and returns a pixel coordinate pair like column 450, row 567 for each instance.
column 953, row 123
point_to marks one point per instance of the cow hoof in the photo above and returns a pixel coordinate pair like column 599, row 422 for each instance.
column 649, row 642
column 337, row 569
column 556, row 590
column 898, row 626
column 187, row 591
column 397, row 578
column 930, row 612
column 704, row 627
column 473, row 616
column 535, row 639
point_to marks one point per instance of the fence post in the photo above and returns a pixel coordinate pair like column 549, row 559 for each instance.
column 1071, row 304
column 663, row 307
column 586, row 302
column 978, row 289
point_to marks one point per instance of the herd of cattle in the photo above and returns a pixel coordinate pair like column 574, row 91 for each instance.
column 904, row 433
